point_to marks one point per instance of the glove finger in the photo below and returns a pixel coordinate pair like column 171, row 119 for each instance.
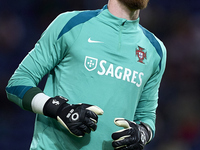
column 130, row 147
column 121, row 134
column 91, row 115
column 84, row 128
column 135, row 147
column 77, row 132
column 95, row 109
column 121, row 148
column 119, row 143
column 121, row 122
column 126, row 141
column 90, row 123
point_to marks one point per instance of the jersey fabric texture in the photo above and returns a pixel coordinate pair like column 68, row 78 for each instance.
column 96, row 58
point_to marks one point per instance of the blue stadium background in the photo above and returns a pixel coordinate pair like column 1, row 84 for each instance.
column 176, row 22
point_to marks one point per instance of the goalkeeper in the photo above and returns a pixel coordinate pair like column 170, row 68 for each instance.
column 99, row 62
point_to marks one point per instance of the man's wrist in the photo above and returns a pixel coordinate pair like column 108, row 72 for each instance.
column 53, row 105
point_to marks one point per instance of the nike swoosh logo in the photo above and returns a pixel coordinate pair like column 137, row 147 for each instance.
column 91, row 41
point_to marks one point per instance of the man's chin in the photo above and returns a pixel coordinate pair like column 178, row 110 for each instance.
column 135, row 4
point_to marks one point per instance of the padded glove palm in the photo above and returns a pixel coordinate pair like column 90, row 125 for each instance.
column 78, row 119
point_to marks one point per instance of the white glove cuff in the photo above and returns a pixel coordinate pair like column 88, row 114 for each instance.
column 38, row 102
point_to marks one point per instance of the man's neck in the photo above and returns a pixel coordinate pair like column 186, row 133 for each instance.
column 119, row 10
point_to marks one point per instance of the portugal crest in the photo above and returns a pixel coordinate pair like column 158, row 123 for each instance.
column 141, row 54
column 90, row 63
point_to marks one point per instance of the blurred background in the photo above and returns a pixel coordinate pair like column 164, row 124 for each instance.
column 176, row 23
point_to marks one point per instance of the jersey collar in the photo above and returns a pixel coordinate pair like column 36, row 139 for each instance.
column 110, row 18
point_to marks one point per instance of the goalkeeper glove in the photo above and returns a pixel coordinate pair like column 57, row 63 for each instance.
column 78, row 119
column 133, row 137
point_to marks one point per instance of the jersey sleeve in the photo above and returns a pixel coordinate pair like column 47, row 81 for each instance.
column 146, row 109
column 47, row 53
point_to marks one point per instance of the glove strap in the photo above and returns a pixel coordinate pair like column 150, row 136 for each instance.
column 53, row 105
column 147, row 131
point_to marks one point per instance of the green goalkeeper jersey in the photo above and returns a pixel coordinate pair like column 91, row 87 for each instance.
column 96, row 58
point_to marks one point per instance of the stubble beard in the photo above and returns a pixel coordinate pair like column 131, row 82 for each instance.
column 135, row 4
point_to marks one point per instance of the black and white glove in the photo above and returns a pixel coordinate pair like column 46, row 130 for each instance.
column 132, row 137
column 77, row 119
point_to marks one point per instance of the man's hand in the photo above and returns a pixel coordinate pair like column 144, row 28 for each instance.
column 78, row 119
column 132, row 137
